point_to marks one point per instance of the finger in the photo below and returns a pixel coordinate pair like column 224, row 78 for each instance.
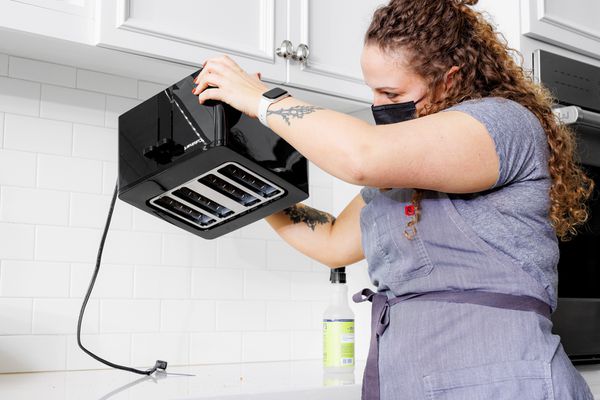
column 210, row 94
column 209, row 66
column 211, row 78
column 257, row 75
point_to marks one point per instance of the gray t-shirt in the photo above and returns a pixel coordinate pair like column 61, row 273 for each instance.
column 512, row 215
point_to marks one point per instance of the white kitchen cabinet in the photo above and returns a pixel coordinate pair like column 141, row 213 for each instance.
column 70, row 20
column 573, row 24
column 187, row 31
column 333, row 30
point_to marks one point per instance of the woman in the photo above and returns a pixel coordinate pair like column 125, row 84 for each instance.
column 460, row 211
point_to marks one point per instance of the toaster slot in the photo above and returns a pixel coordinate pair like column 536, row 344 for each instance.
column 229, row 190
column 184, row 211
column 202, row 202
column 248, row 180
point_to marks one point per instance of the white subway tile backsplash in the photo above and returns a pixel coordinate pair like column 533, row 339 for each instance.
column 149, row 89
column 94, row 142
column 129, row 316
column 215, row 347
column 268, row 285
column 1, row 130
column 318, row 177
column 109, row 177
column 241, row 253
column 146, row 348
column 113, row 281
column 34, row 279
column 43, row 353
column 40, row 71
column 266, row 346
column 54, row 316
column 310, row 285
column 322, row 199
column 19, row 97
column 204, row 252
column 66, row 244
column 123, row 247
column 73, row 105
column 161, row 282
column 307, row 345
column 115, row 347
column 105, row 83
column 15, row 315
column 38, row 135
column 288, row 315
column 282, row 256
column 34, row 206
column 241, row 315
column 72, row 174
column 258, row 230
column 161, row 292
column 116, row 106
column 17, row 168
column 16, row 241
column 3, row 64
column 91, row 210
column 177, row 249
column 187, row 315
column 218, row 284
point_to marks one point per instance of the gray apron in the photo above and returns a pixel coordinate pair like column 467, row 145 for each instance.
column 441, row 299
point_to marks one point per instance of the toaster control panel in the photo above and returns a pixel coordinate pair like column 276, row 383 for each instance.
column 220, row 194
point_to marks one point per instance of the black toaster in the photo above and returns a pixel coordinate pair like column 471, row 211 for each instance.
column 206, row 168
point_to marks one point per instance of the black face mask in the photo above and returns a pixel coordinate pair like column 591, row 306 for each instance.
column 397, row 112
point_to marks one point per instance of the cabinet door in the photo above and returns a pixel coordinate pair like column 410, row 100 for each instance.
column 189, row 31
column 333, row 31
column 570, row 24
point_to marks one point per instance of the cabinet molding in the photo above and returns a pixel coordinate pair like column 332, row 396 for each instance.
column 572, row 25
column 188, row 32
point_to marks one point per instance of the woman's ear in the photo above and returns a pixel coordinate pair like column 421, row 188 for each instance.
column 449, row 79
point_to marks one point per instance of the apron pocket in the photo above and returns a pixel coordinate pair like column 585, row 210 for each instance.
column 408, row 259
column 521, row 379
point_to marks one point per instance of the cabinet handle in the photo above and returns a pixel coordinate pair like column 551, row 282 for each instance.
column 286, row 50
column 302, row 53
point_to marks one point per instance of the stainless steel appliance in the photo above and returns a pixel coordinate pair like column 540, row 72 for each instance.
column 576, row 85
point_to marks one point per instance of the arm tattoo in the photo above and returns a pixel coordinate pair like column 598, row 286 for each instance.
column 294, row 112
column 308, row 215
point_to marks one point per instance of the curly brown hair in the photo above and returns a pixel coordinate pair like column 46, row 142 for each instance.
column 439, row 34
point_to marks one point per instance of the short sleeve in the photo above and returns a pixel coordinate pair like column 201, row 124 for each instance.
column 368, row 193
column 516, row 133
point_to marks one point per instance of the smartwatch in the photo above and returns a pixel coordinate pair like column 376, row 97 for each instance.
column 269, row 97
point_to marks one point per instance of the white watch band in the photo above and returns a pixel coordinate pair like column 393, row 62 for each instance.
column 263, row 106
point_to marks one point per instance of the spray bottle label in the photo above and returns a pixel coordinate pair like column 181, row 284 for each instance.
column 338, row 343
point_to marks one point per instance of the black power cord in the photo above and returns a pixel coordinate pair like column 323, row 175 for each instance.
column 162, row 365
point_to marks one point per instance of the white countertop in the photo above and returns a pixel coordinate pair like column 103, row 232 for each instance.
column 249, row 381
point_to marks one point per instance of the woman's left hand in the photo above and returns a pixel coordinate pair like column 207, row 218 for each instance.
column 223, row 79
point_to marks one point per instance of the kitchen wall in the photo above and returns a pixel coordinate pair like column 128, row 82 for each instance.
column 162, row 293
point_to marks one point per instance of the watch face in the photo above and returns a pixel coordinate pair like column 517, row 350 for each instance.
column 274, row 93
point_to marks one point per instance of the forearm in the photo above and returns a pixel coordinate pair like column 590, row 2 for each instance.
column 333, row 141
column 307, row 230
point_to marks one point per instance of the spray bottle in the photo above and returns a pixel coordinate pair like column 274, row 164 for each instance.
column 338, row 327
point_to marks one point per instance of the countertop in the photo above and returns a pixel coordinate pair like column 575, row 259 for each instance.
column 249, row 381
column 291, row 380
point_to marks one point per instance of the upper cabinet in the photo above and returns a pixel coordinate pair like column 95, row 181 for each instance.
column 309, row 44
column 70, row 20
column 570, row 24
